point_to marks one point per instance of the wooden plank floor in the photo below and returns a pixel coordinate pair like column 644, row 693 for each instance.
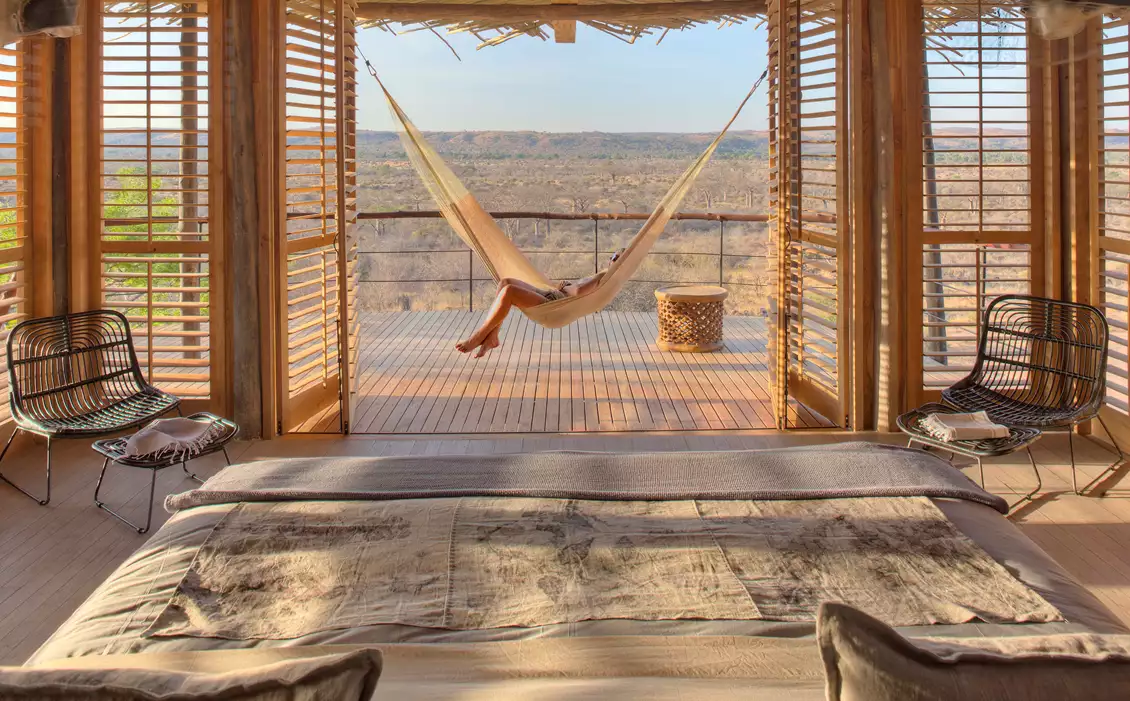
column 602, row 373
column 52, row 558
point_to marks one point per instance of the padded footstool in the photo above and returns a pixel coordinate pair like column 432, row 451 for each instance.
column 910, row 423
column 113, row 449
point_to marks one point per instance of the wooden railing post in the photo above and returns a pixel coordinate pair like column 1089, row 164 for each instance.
column 595, row 246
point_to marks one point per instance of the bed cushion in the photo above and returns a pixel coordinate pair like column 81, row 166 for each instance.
column 351, row 675
column 866, row 660
column 598, row 668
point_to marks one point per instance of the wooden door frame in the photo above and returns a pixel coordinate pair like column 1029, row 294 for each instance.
column 1082, row 196
column 840, row 409
column 907, row 270
column 292, row 411
column 85, row 161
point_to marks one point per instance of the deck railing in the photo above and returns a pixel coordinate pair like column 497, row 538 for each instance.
column 599, row 251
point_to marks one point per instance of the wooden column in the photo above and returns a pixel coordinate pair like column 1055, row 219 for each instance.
column 1082, row 147
column 61, row 258
column 895, row 27
column 39, row 69
column 862, row 412
column 1057, row 166
column 83, row 152
column 241, row 222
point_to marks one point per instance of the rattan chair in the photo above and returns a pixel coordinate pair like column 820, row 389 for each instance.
column 77, row 376
column 1041, row 363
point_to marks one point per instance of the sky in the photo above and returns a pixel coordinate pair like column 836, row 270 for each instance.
column 692, row 82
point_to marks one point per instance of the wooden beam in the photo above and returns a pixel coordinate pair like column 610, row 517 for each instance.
column 420, row 12
column 267, row 63
column 39, row 73
column 564, row 31
column 242, row 225
column 1083, row 146
column 61, row 260
column 82, row 160
column 864, row 233
column 895, row 60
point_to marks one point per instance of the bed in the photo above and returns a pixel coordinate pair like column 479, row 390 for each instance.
column 574, row 575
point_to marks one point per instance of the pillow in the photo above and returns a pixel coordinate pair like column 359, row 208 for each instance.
column 866, row 660
column 349, row 676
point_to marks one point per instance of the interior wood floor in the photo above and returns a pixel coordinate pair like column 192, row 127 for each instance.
column 52, row 557
column 603, row 373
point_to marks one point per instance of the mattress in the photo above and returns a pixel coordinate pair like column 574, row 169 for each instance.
column 116, row 618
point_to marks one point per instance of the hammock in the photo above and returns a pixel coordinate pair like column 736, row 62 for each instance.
column 503, row 259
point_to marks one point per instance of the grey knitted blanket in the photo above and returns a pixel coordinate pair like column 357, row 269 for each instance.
column 825, row 472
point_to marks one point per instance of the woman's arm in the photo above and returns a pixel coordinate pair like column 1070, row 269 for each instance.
column 588, row 284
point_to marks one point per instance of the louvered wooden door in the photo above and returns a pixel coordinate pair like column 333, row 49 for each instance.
column 979, row 230
column 15, row 248
column 808, row 98
column 1109, row 69
column 347, row 205
column 318, row 210
column 155, row 243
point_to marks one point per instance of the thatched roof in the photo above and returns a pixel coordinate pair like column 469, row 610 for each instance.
column 499, row 21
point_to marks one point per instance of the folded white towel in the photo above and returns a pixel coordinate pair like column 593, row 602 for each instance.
column 963, row 427
column 179, row 437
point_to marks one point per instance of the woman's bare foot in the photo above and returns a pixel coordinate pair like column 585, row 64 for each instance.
column 473, row 341
column 491, row 343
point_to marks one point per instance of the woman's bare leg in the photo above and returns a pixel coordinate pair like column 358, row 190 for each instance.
column 508, row 297
column 515, row 282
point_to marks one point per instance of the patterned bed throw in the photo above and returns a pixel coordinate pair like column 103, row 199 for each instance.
column 282, row 570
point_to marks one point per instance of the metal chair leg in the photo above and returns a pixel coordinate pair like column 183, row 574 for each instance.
column 1039, row 482
column 115, row 514
column 1071, row 449
column 1113, row 466
column 101, row 476
column 184, row 466
column 21, row 490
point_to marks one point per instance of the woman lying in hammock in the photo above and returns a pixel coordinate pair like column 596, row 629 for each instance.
column 517, row 293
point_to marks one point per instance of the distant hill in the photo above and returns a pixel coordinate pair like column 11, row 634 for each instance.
column 532, row 145
column 590, row 144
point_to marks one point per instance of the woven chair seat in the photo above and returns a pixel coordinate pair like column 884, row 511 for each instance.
column 1040, row 363
column 77, row 375
column 1008, row 410
column 141, row 408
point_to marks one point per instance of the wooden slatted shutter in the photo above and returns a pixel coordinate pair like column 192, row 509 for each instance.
column 318, row 208
column 778, row 317
column 15, row 250
column 809, row 54
column 347, row 127
column 1111, row 178
column 979, row 231
column 156, row 240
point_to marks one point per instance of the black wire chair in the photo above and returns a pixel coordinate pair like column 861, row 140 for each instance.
column 1041, row 363
column 77, row 376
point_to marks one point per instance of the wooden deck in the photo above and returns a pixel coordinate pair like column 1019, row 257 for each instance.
column 602, row 373
column 52, row 558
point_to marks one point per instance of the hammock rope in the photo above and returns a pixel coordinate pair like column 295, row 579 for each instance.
column 502, row 257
